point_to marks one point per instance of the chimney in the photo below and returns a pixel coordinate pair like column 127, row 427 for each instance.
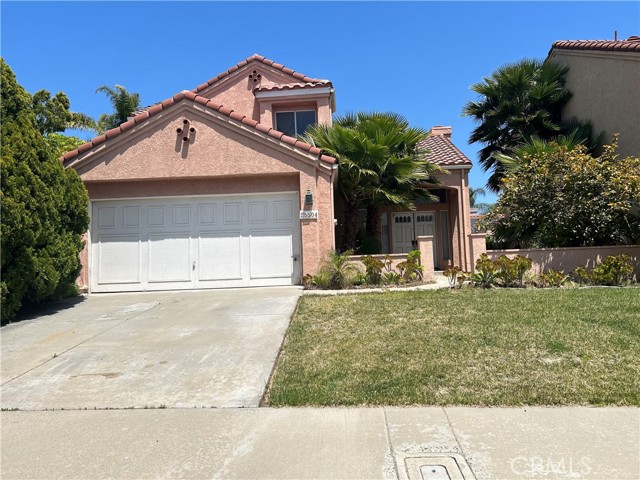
column 439, row 130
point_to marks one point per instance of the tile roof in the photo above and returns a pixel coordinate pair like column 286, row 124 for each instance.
column 292, row 86
column 442, row 151
column 187, row 95
column 266, row 61
column 631, row 44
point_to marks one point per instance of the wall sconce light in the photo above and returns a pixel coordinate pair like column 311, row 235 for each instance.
column 308, row 197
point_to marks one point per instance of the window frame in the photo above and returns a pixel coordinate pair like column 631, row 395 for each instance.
column 295, row 118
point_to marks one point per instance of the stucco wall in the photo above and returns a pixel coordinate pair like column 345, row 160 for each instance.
column 568, row 259
column 236, row 90
column 606, row 90
column 219, row 158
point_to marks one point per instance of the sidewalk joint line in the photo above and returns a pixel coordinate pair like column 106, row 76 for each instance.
column 455, row 436
column 391, row 450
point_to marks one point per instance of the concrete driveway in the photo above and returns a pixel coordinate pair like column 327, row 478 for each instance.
column 211, row 348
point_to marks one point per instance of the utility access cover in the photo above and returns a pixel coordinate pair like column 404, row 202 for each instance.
column 434, row 472
column 434, row 466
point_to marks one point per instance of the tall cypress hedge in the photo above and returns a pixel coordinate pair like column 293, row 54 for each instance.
column 44, row 209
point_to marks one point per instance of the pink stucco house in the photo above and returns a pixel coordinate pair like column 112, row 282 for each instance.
column 210, row 188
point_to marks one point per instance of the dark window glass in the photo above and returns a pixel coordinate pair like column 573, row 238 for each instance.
column 286, row 123
column 304, row 119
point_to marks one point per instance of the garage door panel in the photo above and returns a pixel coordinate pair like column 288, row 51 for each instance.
column 271, row 255
column 283, row 211
column 156, row 216
column 194, row 242
column 219, row 256
column 169, row 257
column 207, row 214
column 232, row 213
column 107, row 217
column 118, row 259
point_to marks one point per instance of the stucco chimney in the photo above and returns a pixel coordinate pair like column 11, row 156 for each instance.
column 440, row 130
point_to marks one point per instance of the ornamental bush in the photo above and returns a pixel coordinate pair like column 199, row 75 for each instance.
column 44, row 209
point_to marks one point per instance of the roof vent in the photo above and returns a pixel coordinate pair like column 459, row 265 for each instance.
column 255, row 76
column 634, row 39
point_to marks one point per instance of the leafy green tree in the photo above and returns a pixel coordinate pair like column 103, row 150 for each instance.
column 123, row 103
column 380, row 164
column 562, row 197
column 44, row 208
column 53, row 114
column 61, row 144
column 519, row 102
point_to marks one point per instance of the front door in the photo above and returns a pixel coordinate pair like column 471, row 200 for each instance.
column 408, row 226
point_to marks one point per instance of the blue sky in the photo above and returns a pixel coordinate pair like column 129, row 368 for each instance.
column 414, row 58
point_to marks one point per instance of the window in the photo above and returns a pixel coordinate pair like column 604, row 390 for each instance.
column 295, row 123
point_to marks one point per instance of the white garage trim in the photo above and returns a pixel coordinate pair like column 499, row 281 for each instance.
column 194, row 242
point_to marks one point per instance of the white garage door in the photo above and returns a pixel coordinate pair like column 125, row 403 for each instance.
column 195, row 242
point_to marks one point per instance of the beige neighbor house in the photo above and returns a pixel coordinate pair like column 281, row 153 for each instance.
column 604, row 77
column 210, row 189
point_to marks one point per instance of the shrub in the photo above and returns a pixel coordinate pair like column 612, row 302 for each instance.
column 410, row 269
column 614, row 270
column 486, row 275
column 337, row 272
column 44, row 209
column 392, row 277
column 553, row 278
column 452, row 275
column 373, row 274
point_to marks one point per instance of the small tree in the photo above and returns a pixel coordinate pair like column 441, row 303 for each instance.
column 568, row 198
column 44, row 208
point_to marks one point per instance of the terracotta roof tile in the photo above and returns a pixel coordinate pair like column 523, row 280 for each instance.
column 188, row 95
column 292, row 86
column 442, row 151
column 257, row 58
column 631, row 44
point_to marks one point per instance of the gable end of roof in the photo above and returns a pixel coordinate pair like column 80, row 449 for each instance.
column 259, row 58
column 188, row 95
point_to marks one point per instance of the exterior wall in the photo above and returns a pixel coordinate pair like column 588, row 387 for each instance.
column 268, row 107
column 568, row 259
column 236, row 90
column 152, row 160
column 606, row 90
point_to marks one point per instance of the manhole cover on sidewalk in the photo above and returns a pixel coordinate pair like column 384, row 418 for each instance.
column 436, row 466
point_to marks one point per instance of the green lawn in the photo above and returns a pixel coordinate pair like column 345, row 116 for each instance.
column 463, row 347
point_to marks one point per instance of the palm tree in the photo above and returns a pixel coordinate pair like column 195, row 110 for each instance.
column 518, row 101
column 124, row 104
column 379, row 164
column 474, row 193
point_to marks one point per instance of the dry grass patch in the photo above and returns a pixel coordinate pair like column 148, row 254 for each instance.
column 469, row 347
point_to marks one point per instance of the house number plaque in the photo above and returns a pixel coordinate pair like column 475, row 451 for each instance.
column 308, row 214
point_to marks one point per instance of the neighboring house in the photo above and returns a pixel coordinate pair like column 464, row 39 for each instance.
column 210, row 188
column 604, row 77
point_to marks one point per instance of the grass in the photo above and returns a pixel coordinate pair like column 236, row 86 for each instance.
column 463, row 347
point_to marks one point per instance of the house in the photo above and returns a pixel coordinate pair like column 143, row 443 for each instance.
column 604, row 77
column 210, row 188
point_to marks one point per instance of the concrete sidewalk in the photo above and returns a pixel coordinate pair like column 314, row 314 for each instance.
column 405, row 443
